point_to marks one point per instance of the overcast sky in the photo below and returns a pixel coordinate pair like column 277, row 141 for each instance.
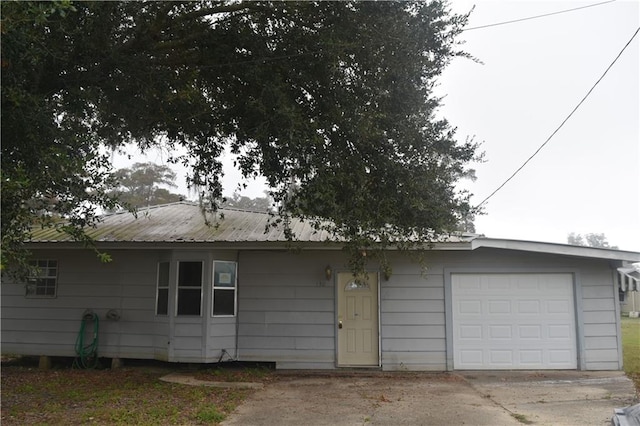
column 533, row 73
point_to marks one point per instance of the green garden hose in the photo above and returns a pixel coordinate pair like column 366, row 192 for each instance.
column 87, row 352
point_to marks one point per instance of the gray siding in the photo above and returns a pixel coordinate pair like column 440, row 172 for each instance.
column 49, row 326
column 412, row 316
column 286, row 308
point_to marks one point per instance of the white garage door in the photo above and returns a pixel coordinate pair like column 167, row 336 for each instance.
column 513, row 321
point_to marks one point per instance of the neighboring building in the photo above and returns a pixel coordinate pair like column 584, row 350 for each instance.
column 629, row 285
column 179, row 290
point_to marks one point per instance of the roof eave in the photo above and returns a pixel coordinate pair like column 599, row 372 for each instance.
column 553, row 248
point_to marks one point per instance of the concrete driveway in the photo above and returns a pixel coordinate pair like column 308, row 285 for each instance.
column 462, row 398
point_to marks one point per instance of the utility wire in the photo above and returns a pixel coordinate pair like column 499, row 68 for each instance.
column 563, row 121
column 537, row 16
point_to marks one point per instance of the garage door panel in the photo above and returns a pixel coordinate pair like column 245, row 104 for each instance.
column 471, row 332
column 500, row 332
column 513, row 321
column 561, row 331
column 470, row 307
column 558, row 307
column 501, row 357
column 471, row 357
column 531, row 357
column 530, row 332
column 499, row 307
column 528, row 307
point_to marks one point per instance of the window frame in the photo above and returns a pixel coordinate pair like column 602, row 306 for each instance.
column 34, row 279
column 233, row 288
column 179, row 287
column 163, row 287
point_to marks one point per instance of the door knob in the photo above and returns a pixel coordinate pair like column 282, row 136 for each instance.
column 340, row 324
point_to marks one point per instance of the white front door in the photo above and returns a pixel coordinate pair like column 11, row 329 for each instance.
column 358, row 321
column 513, row 321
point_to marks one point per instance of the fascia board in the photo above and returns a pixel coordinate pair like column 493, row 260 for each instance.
column 552, row 248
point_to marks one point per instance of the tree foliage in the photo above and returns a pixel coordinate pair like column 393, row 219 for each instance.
column 589, row 240
column 332, row 102
column 139, row 185
column 258, row 204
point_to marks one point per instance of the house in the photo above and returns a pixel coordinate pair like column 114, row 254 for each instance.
column 179, row 290
column 629, row 287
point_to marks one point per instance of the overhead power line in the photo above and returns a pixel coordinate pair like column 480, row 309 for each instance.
column 563, row 121
column 537, row 16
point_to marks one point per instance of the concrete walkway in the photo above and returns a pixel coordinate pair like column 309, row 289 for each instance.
column 469, row 398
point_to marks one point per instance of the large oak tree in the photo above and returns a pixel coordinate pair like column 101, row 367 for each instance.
column 331, row 101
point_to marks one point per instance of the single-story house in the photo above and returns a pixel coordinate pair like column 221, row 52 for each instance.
column 180, row 290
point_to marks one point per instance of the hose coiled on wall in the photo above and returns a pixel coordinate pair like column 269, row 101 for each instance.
column 87, row 352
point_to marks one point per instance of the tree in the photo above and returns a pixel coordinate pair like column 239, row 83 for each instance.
column 138, row 185
column 258, row 204
column 332, row 102
column 589, row 240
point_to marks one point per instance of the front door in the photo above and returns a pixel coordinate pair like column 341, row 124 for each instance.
column 358, row 320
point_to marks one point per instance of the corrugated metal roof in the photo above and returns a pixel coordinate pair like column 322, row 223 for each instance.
column 185, row 222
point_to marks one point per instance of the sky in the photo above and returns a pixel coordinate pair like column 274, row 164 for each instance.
column 533, row 73
column 528, row 78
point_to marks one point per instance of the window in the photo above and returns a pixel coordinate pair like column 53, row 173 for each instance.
column 43, row 279
column 189, row 288
column 162, row 294
column 224, row 288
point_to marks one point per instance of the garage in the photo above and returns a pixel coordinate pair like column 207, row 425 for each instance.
column 513, row 321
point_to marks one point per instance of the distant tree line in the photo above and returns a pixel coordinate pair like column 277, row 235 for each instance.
column 589, row 240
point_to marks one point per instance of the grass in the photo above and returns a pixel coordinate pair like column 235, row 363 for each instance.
column 631, row 349
column 131, row 395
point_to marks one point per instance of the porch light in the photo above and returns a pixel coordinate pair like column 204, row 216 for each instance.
column 328, row 272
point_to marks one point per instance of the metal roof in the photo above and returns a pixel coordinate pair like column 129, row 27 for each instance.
column 185, row 222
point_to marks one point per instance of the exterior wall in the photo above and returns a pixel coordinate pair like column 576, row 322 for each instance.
column 286, row 308
column 631, row 303
column 413, row 319
column 49, row 326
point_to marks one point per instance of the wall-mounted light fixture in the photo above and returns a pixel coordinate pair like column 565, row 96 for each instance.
column 328, row 272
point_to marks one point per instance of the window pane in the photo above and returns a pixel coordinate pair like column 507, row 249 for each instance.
column 162, row 307
column 43, row 278
column 190, row 274
column 163, row 274
column 224, row 274
column 188, row 301
column 224, row 302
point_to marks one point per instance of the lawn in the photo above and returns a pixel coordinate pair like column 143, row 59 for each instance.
column 631, row 349
column 131, row 395
column 135, row 395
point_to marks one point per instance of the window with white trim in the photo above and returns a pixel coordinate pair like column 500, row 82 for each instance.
column 43, row 278
column 224, row 288
column 162, row 292
column 189, row 297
